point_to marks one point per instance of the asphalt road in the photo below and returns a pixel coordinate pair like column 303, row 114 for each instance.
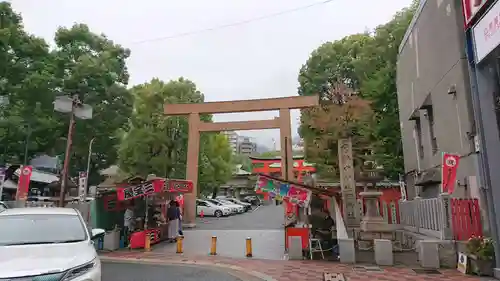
column 263, row 225
column 141, row 272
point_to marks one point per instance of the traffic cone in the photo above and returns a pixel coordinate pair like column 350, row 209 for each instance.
column 202, row 214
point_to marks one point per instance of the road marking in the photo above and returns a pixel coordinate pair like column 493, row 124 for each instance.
column 256, row 209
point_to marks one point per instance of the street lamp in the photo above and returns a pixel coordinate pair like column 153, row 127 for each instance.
column 74, row 106
column 88, row 167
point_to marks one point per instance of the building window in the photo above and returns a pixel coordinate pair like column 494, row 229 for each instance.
column 418, row 139
column 430, row 119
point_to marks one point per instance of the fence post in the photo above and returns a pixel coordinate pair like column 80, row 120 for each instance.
column 416, row 212
column 445, row 213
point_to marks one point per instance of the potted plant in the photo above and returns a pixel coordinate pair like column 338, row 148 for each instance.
column 482, row 254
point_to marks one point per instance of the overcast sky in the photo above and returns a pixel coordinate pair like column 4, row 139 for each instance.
column 258, row 59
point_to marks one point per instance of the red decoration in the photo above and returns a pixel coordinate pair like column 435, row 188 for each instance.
column 143, row 189
column 24, row 182
column 449, row 172
column 183, row 186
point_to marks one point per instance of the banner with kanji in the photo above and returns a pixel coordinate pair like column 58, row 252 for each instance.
column 143, row 189
column 449, row 172
column 23, row 184
column 283, row 190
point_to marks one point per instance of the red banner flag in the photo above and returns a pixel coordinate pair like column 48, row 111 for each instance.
column 449, row 172
column 23, row 185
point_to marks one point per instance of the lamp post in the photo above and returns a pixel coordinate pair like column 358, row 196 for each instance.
column 88, row 166
column 74, row 106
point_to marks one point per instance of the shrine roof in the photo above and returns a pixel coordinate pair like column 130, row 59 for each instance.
column 295, row 157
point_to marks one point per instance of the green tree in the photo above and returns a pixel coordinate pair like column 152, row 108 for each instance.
column 365, row 63
column 94, row 68
column 32, row 75
column 216, row 165
column 157, row 144
column 243, row 160
column 26, row 78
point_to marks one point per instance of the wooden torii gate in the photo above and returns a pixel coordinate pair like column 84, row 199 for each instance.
column 196, row 126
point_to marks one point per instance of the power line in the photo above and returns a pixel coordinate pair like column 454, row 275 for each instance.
column 234, row 24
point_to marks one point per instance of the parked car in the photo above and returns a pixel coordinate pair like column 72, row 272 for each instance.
column 46, row 247
column 247, row 206
column 210, row 209
column 241, row 208
column 254, row 200
column 236, row 209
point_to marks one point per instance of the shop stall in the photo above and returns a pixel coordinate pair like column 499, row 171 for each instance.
column 297, row 199
column 149, row 200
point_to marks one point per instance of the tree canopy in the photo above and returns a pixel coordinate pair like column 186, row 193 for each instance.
column 157, row 144
column 364, row 64
column 80, row 63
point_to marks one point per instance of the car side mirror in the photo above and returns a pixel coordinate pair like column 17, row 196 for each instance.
column 97, row 233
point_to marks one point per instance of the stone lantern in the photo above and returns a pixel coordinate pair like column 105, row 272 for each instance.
column 372, row 222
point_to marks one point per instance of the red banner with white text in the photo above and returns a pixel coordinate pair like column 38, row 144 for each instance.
column 449, row 172
column 23, row 184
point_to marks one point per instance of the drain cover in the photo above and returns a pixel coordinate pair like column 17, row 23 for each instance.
column 426, row 271
column 333, row 277
column 367, row 268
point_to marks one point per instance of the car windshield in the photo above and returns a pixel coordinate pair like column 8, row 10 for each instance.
column 215, row 202
column 41, row 229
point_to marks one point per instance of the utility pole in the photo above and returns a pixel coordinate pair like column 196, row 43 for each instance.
column 75, row 108
column 88, row 166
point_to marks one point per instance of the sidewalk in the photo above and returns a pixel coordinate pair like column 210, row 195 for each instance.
column 271, row 270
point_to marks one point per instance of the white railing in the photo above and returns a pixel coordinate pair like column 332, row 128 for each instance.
column 431, row 217
column 346, row 250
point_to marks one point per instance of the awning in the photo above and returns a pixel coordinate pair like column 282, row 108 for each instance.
column 154, row 186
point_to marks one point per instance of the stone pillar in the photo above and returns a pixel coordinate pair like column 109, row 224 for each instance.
column 445, row 212
column 192, row 169
column 286, row 144
column 347, row 183
column 383, row 252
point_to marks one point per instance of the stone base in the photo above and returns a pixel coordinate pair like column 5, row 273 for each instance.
column 372, row 235
column 375, row 224
column 188, row 225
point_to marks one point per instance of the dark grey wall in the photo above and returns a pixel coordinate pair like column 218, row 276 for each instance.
column 431, row 61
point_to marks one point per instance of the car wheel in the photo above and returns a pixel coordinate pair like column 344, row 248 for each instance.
column 218, row 214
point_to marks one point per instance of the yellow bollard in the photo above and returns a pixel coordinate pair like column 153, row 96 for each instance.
column 147, row 244
column 179, row 244
column 249, row 247
column 213, row 247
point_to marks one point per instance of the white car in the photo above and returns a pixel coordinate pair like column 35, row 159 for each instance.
column 210, row 209
column 47, row 244
column 237, row 209
column 246, row 205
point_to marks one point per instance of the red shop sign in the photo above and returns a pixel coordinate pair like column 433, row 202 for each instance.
column 182, row 186
column 143, row 189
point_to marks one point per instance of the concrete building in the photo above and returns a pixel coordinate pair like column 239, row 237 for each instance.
column 232, row 137
column 483, row 51
column 246, row 146
column 434, row 101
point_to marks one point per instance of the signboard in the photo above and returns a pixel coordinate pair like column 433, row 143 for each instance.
column 143, row 189
column 2, row 180
column 471, row 8
column 462, row 263
column 181, row 186
column 82, row 186
column 486, row 33
column 449, row 172
column 24, row 182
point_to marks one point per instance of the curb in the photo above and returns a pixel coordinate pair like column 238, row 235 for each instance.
column 252, row 273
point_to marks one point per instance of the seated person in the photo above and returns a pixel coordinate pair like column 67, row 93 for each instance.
column 322, row 228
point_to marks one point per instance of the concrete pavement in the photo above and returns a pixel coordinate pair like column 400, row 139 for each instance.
column 264, row 225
